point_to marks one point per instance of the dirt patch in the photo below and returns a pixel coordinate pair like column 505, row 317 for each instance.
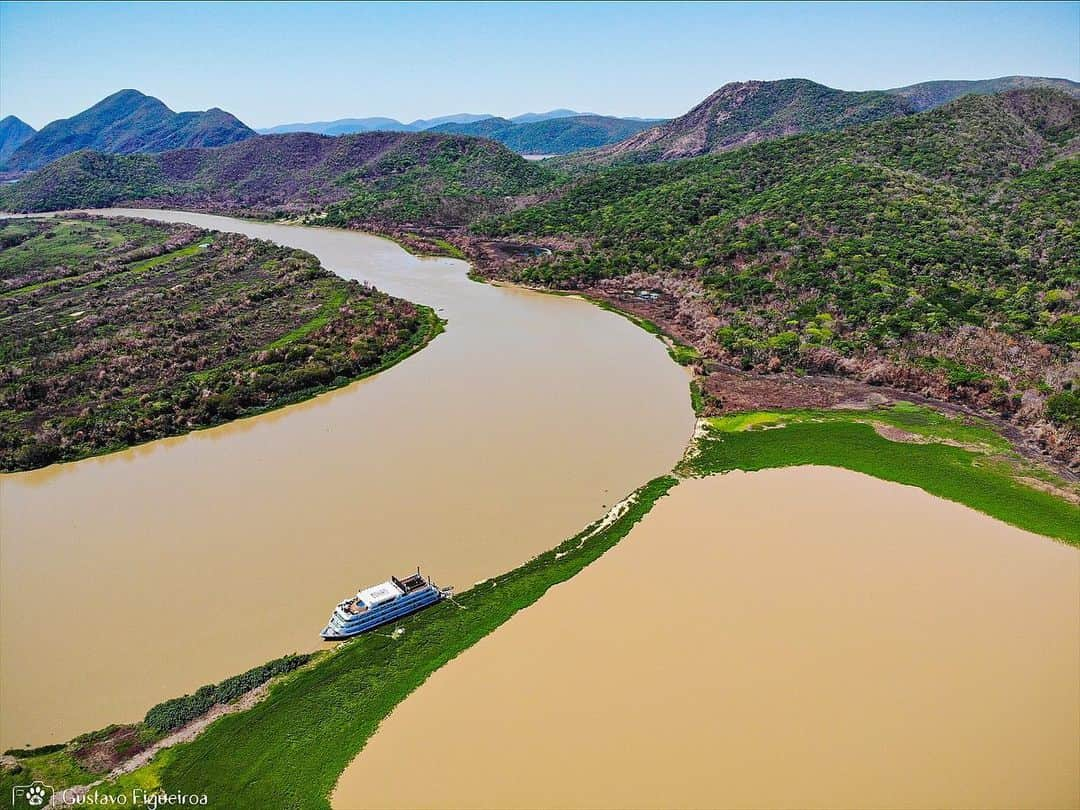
column 191, row 730
column 1069, row 495
column 491, row 258
column 895, row 434
column 732, row 390
column 132, row 761
column 108, row 752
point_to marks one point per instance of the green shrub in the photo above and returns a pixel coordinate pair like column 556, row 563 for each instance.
column 170, row 715
column 1064, row 408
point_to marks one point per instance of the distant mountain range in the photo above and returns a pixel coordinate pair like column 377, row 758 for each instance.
column 269, row 171
column 927, row 95
column 742, row 113
column 125, row 122
column 347, row 126
column 350, row 126
column 555, row 132
column 738, row 114
column 553, row 135
column 14, row 132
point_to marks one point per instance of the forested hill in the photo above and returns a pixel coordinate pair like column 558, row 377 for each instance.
column 377, row 176
column 937, row 252
column 14, row 132
column 125, row 122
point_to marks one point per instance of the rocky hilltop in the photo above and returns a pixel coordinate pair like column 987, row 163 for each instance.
column 742, row 113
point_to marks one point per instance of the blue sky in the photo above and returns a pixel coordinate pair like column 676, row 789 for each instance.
column 279, row 62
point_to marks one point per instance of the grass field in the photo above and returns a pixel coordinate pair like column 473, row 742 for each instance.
column 915, row 419
column 981, row 480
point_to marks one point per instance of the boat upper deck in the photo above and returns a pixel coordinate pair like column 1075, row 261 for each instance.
column 384, row 593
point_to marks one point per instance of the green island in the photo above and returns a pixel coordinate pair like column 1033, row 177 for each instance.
column 289, row 749
column 121, row 331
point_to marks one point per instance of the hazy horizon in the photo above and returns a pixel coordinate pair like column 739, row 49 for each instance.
column 298, row 62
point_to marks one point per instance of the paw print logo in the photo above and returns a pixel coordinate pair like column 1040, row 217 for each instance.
column 36, row 794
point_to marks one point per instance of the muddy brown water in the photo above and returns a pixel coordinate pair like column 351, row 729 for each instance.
column 141, row 575
column 805, row 637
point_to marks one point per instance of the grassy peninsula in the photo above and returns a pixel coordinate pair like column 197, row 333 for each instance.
column 289, row 749
column 120, row 331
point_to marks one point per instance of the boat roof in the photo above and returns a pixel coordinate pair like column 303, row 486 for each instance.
column 377, row 594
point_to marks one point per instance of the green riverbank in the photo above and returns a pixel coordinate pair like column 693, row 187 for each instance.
column 981, row 473
column 119, row 331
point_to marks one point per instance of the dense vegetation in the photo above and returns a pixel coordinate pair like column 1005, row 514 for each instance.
column 554, row 136
column 943, row 243
column 119, row 331
column 380, row 176
column 433, row 178
column 125, row 122
column 170, row 715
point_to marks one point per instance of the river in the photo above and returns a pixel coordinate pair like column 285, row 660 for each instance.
column 805, row 637
column 141, row 575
